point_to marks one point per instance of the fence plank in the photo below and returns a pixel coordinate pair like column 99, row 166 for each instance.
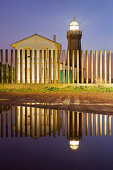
column 110, row 66
column 2, row 81
column 7, row 66
column 73, row 65
column 96, row 66
column 40, row 68
column 21, row 66
column 25, row 66
column 54, row 66
column 45, row 78
column 87, row 66
column 49, row 66
column 68, row 68
column 77, row 66
column 31, row 55
column 35, row 66
column 58, row 66
column 16, row 66
column 91, row 55
column 82, row 71
column 63, row 66
column 101, row 66
column 11, row 66
column 105, row 67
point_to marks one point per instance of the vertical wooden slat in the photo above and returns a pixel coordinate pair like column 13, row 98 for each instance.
column 11, row 121
column 58, row 122
column 49, row 66
column 25, row 66
column 25, row 121
column 11, row 66
column 16, row 66
column 2, row 122
column 45, row 66
column 40, row 70
column 58, row 66
column 50, row 122
column 2, row 66
column 87, row 66
column 44, row 122
column 82, row 121
column 31, row 66
column 91, row 55
column 6, row 121
column 54, row 66
column 86, row 124
column 101, row 66
column 21, row 121
column 78, row 130
column 68, row 68
column 7, row 66
column 21, row 64
column 96, row 124
column 105, row 121
column 63, row 123
column 110, row 66
column 35, row 66
column 77, row 66
column 73, row 124
column 64, row 66
column 82, row 71
column 96, row 66
column 31, row 118
column 100, row 125
column 110, row 125
column 91, row 124
column 73, row 66
column 105, row 67
column 68, row 124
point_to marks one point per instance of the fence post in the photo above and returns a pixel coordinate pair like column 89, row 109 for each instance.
column 86, row 124
column 21, row 64
column 96, row 66
column 77, row 66
column 16, row 66
column 91, row 55
column 54, row 66
column 110, row 66
column 64, row 66
column 7, row 66
column 101, row 66
column 25, row 66
column 49, row 66
column 2, row 67
column 59, row 66
column 68, row 68
column 11, row 66
column 35, row 66
column 73, row 65
column 44, row 66
column 100, row 125
column 96, row 124
column 87, row 66
column 82, row 71
column 40, row 67
column 105, row 69
column 31, row 66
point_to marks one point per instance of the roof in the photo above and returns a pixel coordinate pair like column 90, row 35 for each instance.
column 33, row 36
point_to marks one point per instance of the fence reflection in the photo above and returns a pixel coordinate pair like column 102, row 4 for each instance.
column 21, row 121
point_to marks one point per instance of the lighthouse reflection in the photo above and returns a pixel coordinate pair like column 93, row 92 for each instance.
column 21, row 121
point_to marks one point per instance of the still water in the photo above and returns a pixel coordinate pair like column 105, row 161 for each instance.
column 34, row 138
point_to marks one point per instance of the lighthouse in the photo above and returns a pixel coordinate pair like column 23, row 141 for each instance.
column 74, row 35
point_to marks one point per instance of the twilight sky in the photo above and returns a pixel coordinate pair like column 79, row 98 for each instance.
column 22, row 18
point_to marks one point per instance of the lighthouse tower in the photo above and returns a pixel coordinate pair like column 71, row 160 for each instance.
column 74, row 41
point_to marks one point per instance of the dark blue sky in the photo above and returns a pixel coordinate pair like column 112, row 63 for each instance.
column 22, row 18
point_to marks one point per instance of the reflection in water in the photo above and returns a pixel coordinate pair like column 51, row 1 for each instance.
column 21, row 121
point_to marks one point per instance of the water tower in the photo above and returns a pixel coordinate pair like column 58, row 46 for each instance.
column 74, row 41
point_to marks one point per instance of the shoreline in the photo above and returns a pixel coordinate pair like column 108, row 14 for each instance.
column 91, row 102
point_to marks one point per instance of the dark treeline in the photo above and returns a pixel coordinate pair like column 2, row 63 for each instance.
column 9, row 73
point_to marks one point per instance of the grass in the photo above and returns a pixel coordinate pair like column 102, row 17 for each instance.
column 55, row 88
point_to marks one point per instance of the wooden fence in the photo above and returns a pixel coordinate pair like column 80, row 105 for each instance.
column 45, row 67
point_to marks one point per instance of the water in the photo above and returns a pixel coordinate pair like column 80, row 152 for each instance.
column 34, row 138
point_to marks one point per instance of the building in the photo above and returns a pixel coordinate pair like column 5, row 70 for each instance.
column 35, row 42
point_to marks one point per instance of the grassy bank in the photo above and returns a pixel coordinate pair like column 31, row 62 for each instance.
column 55, row 88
